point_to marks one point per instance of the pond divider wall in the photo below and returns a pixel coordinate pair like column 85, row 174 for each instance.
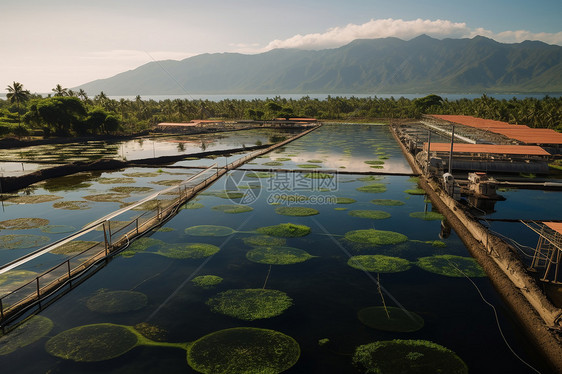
column 540, row 318
column 40, row 291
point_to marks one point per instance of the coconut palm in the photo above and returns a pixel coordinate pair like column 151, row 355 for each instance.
column 16, row 94
column 59, row 91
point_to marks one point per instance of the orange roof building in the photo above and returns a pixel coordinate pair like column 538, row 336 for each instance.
column 521, row 150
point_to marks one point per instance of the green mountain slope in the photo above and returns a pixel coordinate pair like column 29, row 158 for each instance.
column 388, row 65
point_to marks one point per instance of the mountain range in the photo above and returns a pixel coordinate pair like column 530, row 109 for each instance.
column 387, row 65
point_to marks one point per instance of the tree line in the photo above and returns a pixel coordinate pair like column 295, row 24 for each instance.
column 69, row 113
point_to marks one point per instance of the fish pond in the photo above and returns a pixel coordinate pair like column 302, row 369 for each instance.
column 294, row 271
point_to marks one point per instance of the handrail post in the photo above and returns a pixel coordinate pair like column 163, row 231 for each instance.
column 68, row 263
column 105, row 239
column 1, row 310
column 38, row 289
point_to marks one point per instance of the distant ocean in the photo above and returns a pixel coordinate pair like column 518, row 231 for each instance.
column 450, row 97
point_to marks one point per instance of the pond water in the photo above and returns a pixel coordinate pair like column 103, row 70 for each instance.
column 326, row 292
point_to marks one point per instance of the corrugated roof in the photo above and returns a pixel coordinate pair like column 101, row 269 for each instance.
column 527, row 150
column 177, row 124
column 521, row 133
column 556, row 226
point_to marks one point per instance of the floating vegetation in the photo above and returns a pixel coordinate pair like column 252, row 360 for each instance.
column 192, row 205
column 243, row 350
column 167, row 182
column 390, row 319
column 373, row 188
column 277, row 255
column 415, row 191
column 379, row 263
column 57, row 229
column 23, row 223
column 407, row 356
column 209, row 230
column 376, row 237
column 283, row 159
column 433, row 243
column 259, row 174
column 16, row 241
column 188, row 250
column 374, row 162
column 140, row 245
column 318, row 175
column 131, row 189
column 142, row 174
column 345, row 200
column 72, row 205
column 414, row 179
column 13, row 279
column 74, row 247
column 166, row 229
column 235, row 208
column 107, row 197
column 451, row 266
column 112, row 302
column 151, row 331
column 377, row 167
column 68, row 182
column 370, row 178
column 31, row 199
column 371, row 214
column 207, row 281
column 116, row 180
column 224, row 194
column 340, row 208
column 308, row 166
column 250, row 304
column 387, row 202
column 296, row 211
column 315, row 161
column 264, row 240
column 427, row 216
column 273, row 163
column 29, row 331
column 285, row 230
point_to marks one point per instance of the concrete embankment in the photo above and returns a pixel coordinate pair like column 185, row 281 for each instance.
column 541, row 319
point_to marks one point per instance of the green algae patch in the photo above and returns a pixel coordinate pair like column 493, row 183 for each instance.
column 224, row 194
column 166, row 229
column 192, row 205
column 433, row 243
column 15, row 241
column 243, row 350
column 57, row 229
column 113, row 302
column 427, row 216
column 141, row 245
column 116, row 180
column 373, row 188
column 31, row 199
column 387, row 202
column 264, row 240
column 207, row 281
column 260, row 174
column 277, row 255
column 414, row 179
column 250, row 304
column 371, row 214
column 390, row 319
column 315, row 161
column 283, row 159
column 167, row 182
column 308, row 166
column 187, row 250
column 451, row 266
column 407, row 356
column 233, row 209
column 285, row 230
column 296, row 211
column 209, row 230
column 23, row 223
column 374, row 162
column 318, row 175
column 273, row 163
column 72, row 205
column 375, row 237
column 415, row 191
column 345, row 200
column 131, row 189
column 379, row 263
column 370, row 178
column 14, row 279
column 142, row 174
column 74, row 247
column 27, row 332
column 106, row 197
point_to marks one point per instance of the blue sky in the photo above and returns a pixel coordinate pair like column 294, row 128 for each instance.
column 70, row 42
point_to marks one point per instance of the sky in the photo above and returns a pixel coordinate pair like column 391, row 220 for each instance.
column 71, row 42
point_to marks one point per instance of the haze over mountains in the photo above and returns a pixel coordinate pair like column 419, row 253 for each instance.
column 373, row 66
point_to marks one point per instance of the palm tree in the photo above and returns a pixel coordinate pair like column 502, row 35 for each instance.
column 59, row 91
column 16, row 94
column 83, row 95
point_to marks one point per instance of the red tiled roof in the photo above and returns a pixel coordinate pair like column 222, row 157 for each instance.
column 556, row 226
column 531, row 150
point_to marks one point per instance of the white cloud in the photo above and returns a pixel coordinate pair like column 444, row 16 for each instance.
column 382, row 28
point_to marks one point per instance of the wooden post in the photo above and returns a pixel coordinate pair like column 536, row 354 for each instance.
column 105, row 239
